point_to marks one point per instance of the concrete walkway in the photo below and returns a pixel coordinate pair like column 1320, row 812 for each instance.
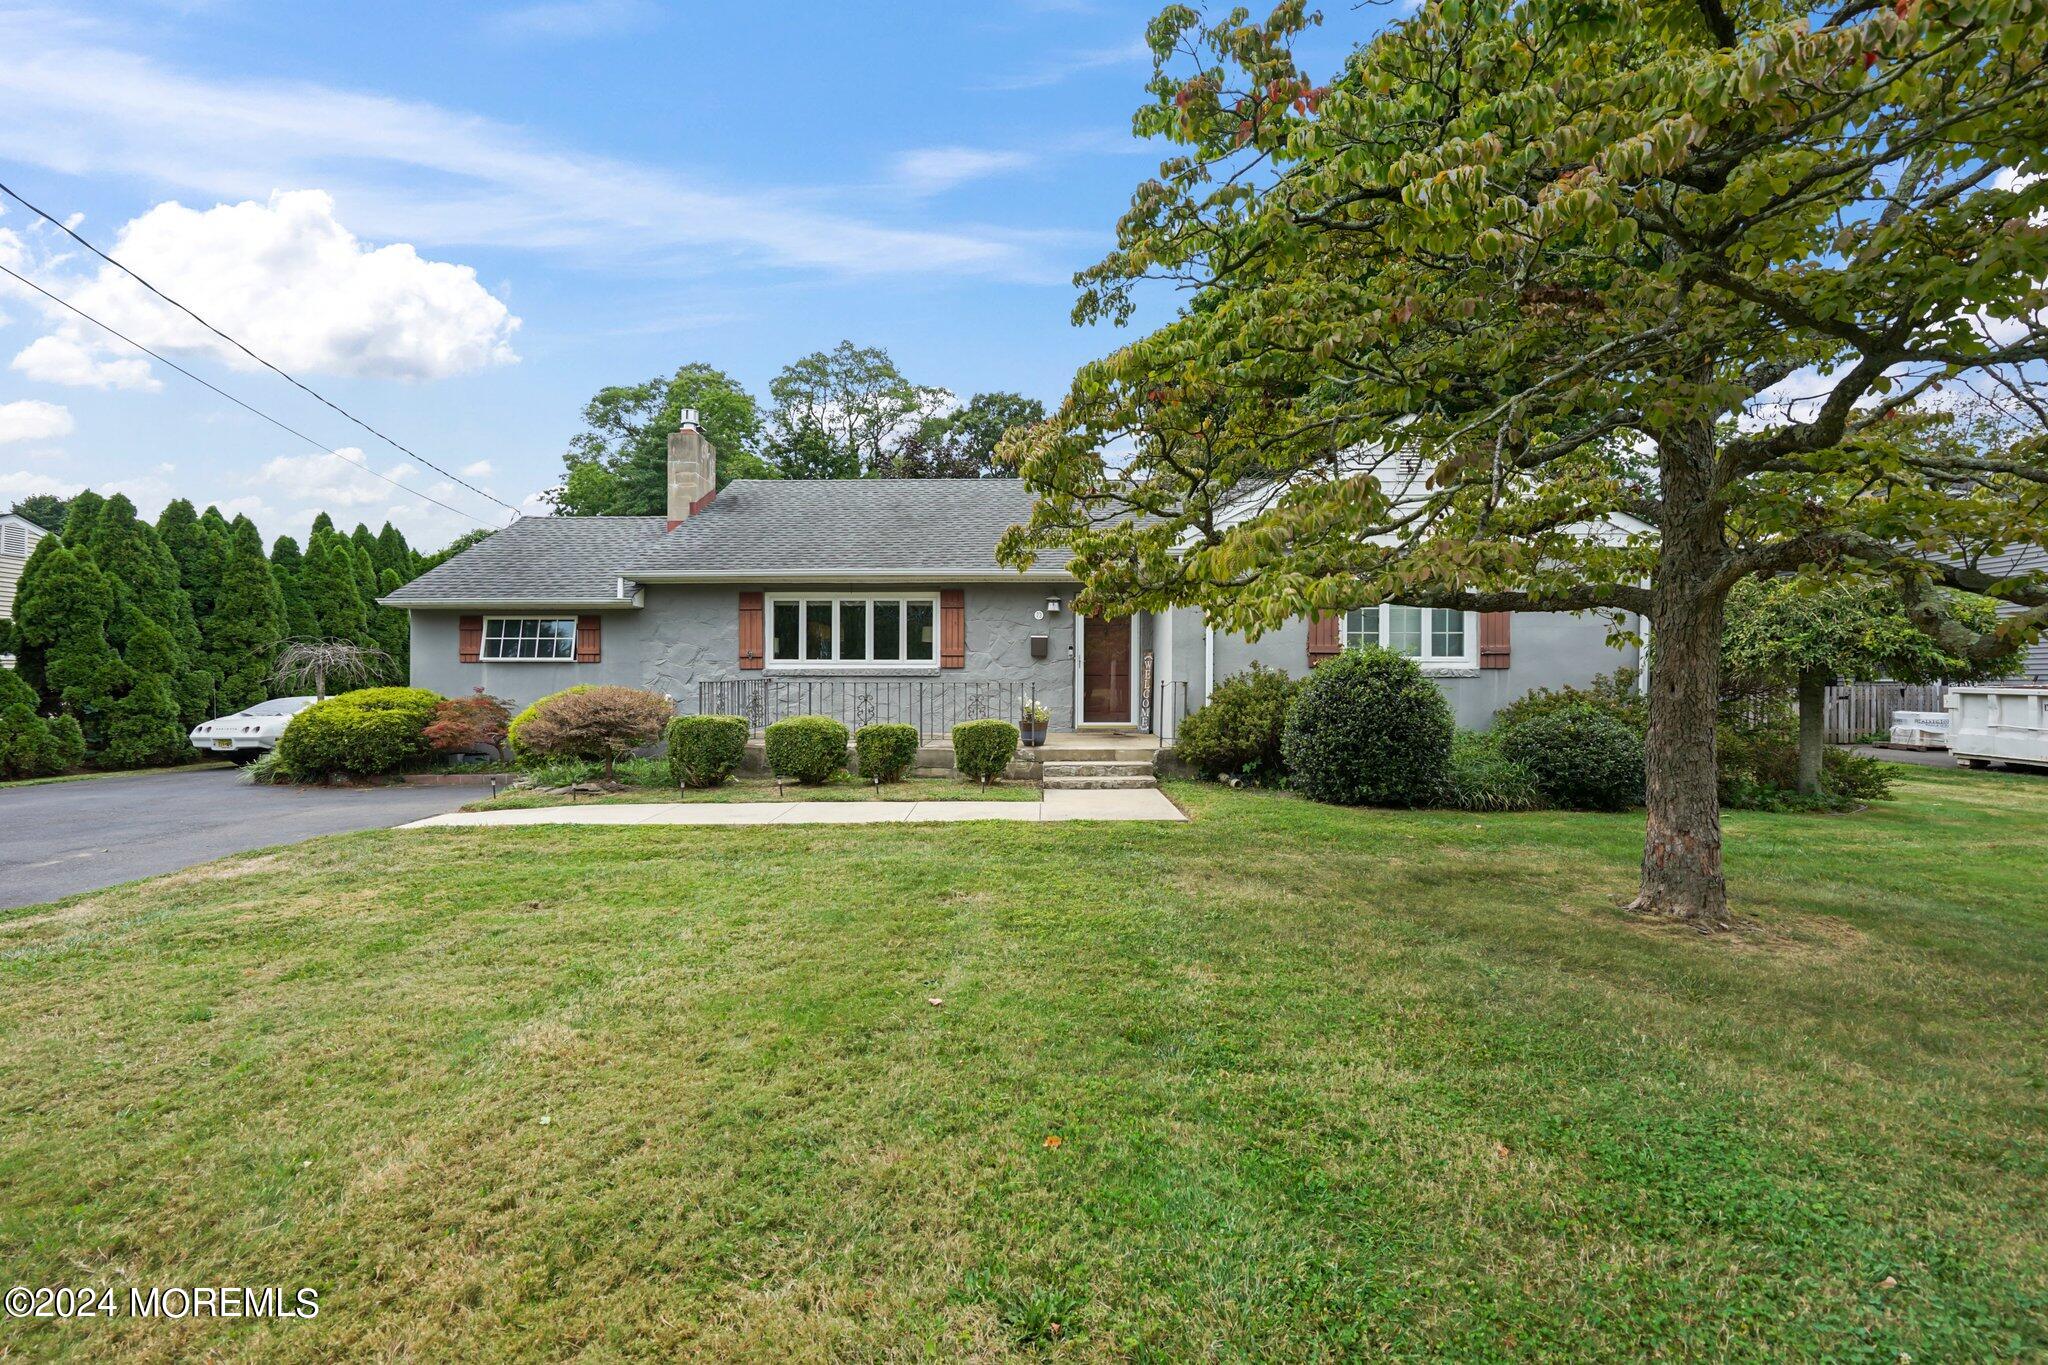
column 1146, row 804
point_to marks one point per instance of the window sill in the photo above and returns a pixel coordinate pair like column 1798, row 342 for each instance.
column 483, row 660
column 1450, row 670
column 884, row 670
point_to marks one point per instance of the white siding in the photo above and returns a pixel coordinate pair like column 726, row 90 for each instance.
column 2035, row 667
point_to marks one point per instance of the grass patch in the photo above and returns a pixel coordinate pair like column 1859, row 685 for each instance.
column 742, row 790
column 198, row 767
column 1325, row 1083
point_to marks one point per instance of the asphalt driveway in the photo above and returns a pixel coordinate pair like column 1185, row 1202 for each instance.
column 66, row 837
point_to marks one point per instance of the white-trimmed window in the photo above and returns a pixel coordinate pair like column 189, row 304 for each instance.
column 1432, row 635
column 529, row 639
column 854, row 630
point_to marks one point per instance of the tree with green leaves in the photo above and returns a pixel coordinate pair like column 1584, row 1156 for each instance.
column 393, row 553
column 961, row 444
column 144, row 576
column 44, row 509
column 1555, row 306
column 391, row 627
column 82, row 517
column 247, row 625
column 62, row 613
column 455, row 547
column 334, row 599
column 143, row 728
column 845, row 413
column 618, row 465
column 28, row 652
column 287, row 566
column 1804, row 632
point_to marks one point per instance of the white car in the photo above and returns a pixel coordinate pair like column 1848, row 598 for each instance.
column 247, row 735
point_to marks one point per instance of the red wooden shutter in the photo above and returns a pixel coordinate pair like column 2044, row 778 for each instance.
column 589, row 639
column 952, row 628
column 1325, row 638
column 1493, row 639
column 753, row 650
column 469, row 642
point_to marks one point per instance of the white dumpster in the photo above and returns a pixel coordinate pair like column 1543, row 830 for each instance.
column 2006, row 723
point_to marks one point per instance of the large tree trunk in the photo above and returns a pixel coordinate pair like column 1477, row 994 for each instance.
column 1682, row 846
column 1813, row 735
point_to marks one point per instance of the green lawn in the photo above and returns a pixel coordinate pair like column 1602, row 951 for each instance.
column 1326, row 1083
column 741, row 790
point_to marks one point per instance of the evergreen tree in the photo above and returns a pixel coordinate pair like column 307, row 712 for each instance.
column 333, row 599
column 394, row 554
column 65, row 620
column 44, row 509
column 143, row 575
column 28, row 653
column 143, row 727
column 394, row 630
column 364, row 542
column 247, row 623
column 366, row 576
column 323, row 522
column 82, row 518
column 288, row 567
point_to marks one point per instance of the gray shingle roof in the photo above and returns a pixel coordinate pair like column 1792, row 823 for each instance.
column 818, row 528
column 556, row 560
column 760, row 529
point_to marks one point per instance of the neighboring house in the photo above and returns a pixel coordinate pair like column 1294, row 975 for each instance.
column 2034, row 667
column 881, row 599
column 18, row 537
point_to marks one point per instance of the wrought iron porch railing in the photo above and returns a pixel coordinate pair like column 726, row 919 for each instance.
column 933, row 705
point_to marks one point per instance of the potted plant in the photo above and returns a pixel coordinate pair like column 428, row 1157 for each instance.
column 1031, row 724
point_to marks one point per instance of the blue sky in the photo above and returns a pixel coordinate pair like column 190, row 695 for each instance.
column 461, row 220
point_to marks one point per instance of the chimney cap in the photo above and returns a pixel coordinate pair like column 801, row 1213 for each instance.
column 689, row 417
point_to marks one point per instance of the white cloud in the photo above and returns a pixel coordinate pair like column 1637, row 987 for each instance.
column 573, row 18
column 928, row 170
column 19, row 483
column 289, row 280
column 61, row 360
column 416, row 171
column 480, row 469
column 31, row 419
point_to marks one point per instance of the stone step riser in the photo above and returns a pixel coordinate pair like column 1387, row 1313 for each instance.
column 1097, row 769
column 1103, row 754
column 1096, row 784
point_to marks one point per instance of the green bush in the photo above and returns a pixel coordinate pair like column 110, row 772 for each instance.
column 982, row 749
column 1614, row 693
column 1582, row 757
column 519, row 721
column 1367, row 728
column 808, row 748
column 703, row 751
column 885, row 752
column 1237, row 732
column 649, row 773
column 1481, row 777
column 1759, row 768
column 357, row 734
column 28, row 749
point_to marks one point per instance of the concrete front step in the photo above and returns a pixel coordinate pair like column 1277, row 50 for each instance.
column 1069, row 767
column 1094, row 753
column 1099, row 784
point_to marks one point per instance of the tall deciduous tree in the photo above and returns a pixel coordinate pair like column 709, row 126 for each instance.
column 618, row 465
column 844, row 413
column 961, row 444
column 1530, row 267
column 44, row 509
column 1804, row 633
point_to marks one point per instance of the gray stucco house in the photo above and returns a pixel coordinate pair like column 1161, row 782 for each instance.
column 881, row 599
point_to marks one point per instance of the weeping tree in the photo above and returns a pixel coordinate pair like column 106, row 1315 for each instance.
column 1587, row 306
column 319, row 664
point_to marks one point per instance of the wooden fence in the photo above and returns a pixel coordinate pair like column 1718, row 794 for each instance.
column 1856, row 710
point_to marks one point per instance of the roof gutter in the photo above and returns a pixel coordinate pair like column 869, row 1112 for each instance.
column 515, row 603
column 918, row 576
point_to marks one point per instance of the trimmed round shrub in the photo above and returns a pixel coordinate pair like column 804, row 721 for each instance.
column 703, row 751
column 982, row 749
column 885, row 752
column 597, row 724
column 519, row 721
column 27, row 747
column 1368, row 729
column 357, row 734
column 1236, row 733
column 1581, row 757
column 810, row 749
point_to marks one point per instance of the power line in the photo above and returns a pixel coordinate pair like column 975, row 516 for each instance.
column 65, row 228
column 207, row 383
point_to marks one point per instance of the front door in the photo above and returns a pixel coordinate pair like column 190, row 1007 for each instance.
column 1105, row 671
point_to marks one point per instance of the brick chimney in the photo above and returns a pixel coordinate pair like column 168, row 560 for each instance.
column 692, row 470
